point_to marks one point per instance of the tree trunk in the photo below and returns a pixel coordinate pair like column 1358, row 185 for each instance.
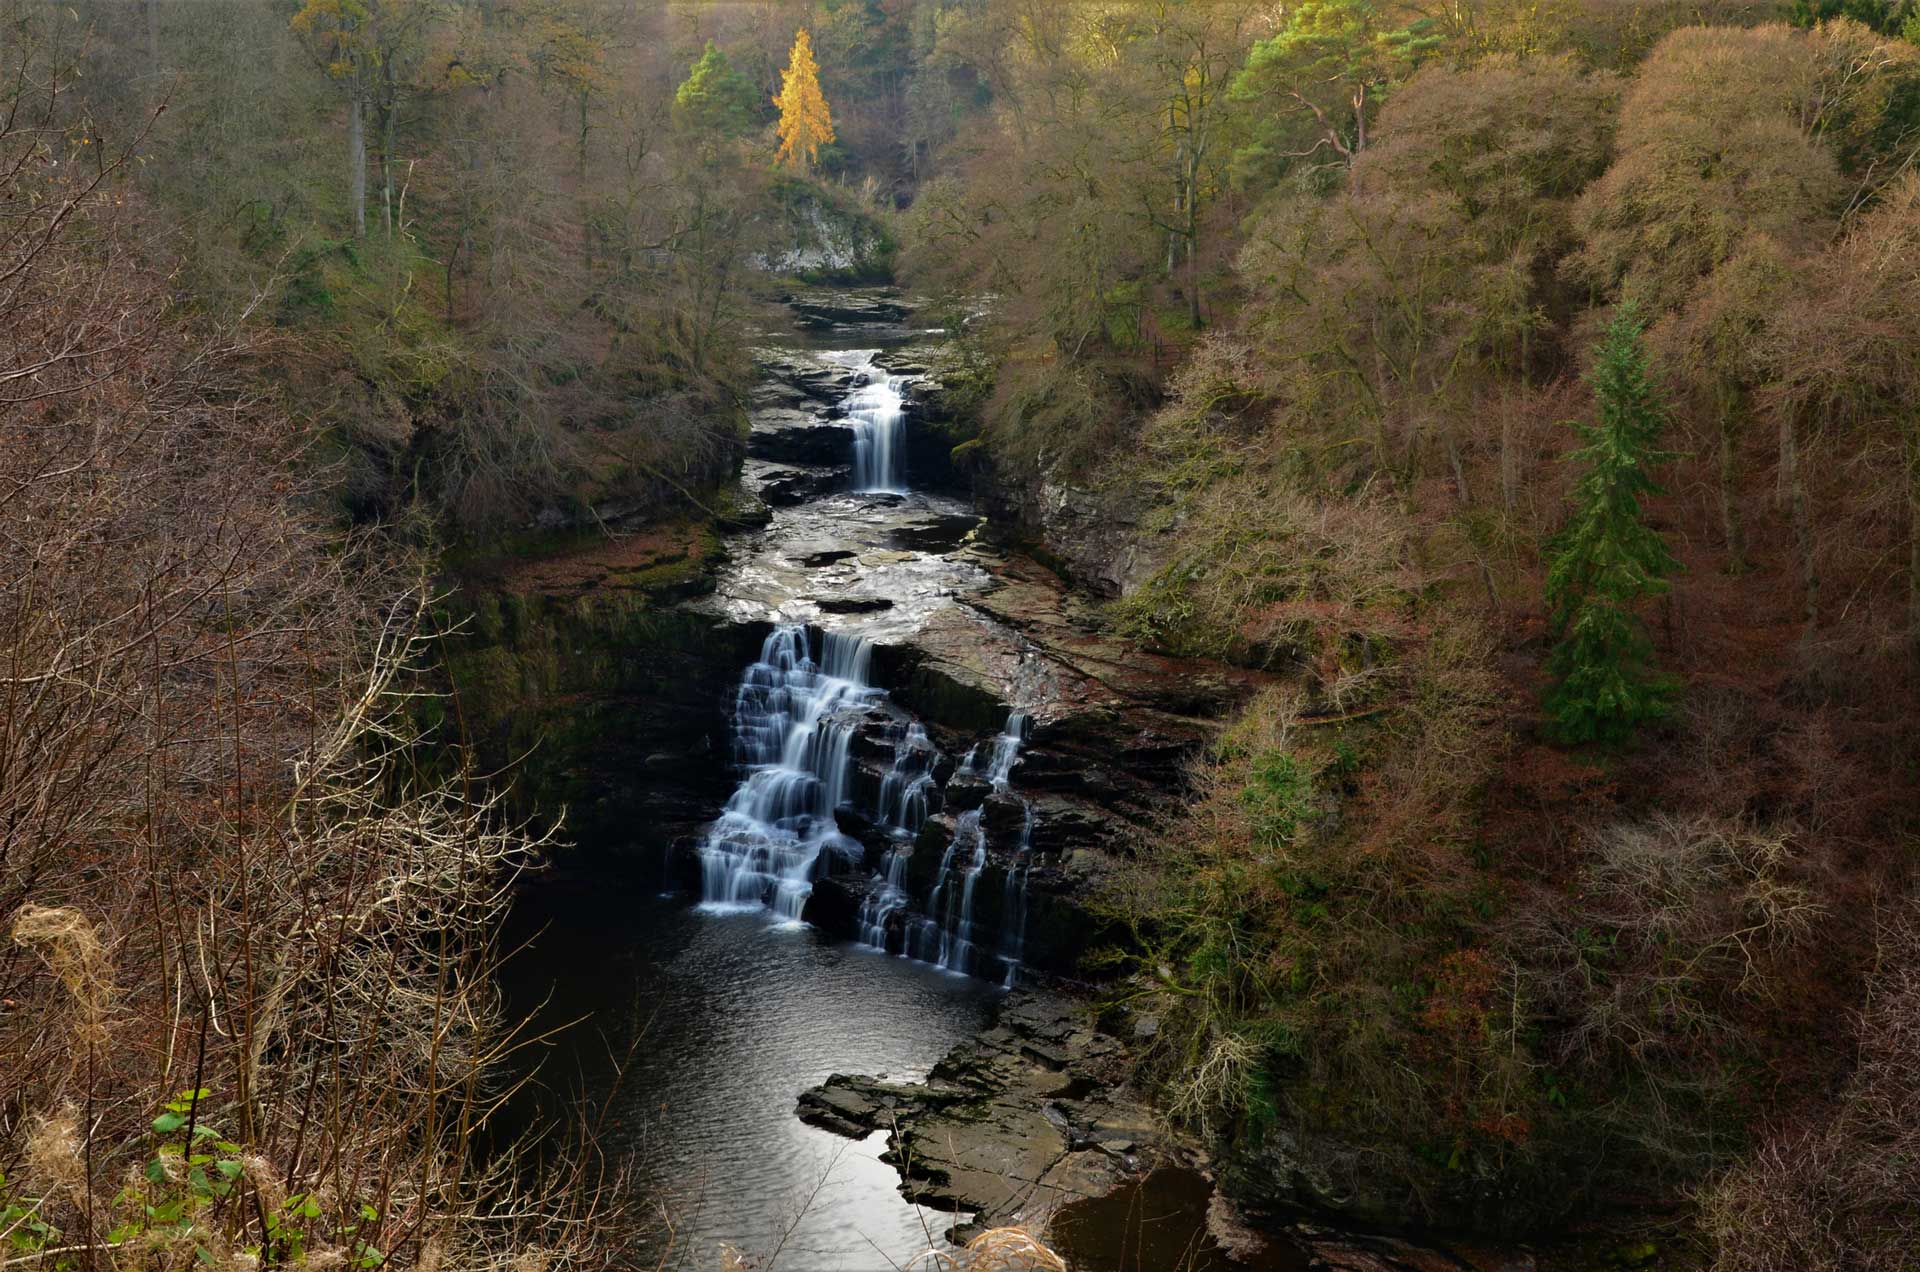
column 357, row 160
column 389, row 108
column 1179, row 149
column 1193, row 235
column 1794, row 488
column 1731, row 523
column 1913, row 533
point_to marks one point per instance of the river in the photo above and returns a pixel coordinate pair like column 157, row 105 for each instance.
column 719, row 1021
column 705, row 1005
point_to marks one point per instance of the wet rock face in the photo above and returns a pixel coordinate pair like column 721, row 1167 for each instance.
column 789, row 436
column 1037, row 1114
column 606, row 706
column 825, row 311
column 784, row 485
column 1094, row 537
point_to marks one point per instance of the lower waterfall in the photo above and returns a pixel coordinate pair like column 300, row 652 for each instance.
column 794, row 719
column 946, row 935
column 791, row 728
column 903, row 810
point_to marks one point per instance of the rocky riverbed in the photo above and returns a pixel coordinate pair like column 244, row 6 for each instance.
column 1034, row 1121
column 957, row 752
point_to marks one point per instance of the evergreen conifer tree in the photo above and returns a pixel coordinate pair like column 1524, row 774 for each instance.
column 715, row 97
column 1608, row 558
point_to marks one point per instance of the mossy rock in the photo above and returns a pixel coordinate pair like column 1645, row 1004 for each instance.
column 487, row 682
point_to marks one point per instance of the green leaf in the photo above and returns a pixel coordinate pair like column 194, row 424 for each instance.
column 168, row 1123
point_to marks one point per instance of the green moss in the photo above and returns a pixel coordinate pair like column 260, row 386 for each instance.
column 487, row 682
column 1278, row 797
column 488, row 623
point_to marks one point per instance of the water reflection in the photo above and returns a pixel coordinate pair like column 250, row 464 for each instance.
column 735, row 1016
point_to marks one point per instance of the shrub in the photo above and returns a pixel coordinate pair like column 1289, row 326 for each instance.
column 1842, row 1195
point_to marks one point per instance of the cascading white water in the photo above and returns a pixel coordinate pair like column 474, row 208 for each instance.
column 1013, row 905
column 793, row 721
column 790, row 730
column 903, row 791
column 946, row 935
column 877, row 416
column 903, row 810
column 887, row 899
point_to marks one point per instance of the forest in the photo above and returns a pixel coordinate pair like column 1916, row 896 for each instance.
column 1516, row 401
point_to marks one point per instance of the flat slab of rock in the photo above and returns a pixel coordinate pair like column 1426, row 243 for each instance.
column 990, row 1159
column 784, row 485
column 856, row 1107
column 1024, row 1117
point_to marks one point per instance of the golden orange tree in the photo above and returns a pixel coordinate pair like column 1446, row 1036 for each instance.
column 805, row 123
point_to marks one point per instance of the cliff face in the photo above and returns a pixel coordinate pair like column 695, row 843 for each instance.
column 1096, row 537
column 822, row 238
column 581, row 678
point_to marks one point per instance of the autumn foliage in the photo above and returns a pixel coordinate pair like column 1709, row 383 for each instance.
column 805, row 122
column 1515, row 973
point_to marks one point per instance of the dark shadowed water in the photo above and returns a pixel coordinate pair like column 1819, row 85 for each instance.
column 1156, row 1224
column 734, row 1016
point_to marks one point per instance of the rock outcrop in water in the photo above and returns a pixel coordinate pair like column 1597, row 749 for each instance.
column 1036, row 1113
column 1030, row 1115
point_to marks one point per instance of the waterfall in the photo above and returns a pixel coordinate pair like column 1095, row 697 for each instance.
column 883, row 902
column 946, row 936
column 1013, row 905
column 791, row 728
column 875, row 412
column 903, row 810
column 903, row 791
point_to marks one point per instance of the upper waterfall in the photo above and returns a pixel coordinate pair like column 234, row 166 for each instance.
column 876, row 411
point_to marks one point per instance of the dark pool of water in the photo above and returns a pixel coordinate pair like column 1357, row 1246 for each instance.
column 721, row 1021
column 1156, row 1224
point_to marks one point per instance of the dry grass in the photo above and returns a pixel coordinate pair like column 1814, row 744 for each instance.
column 995, row 1250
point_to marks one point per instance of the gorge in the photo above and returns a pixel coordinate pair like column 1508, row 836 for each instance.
column 851, row 634
column 917, row 774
